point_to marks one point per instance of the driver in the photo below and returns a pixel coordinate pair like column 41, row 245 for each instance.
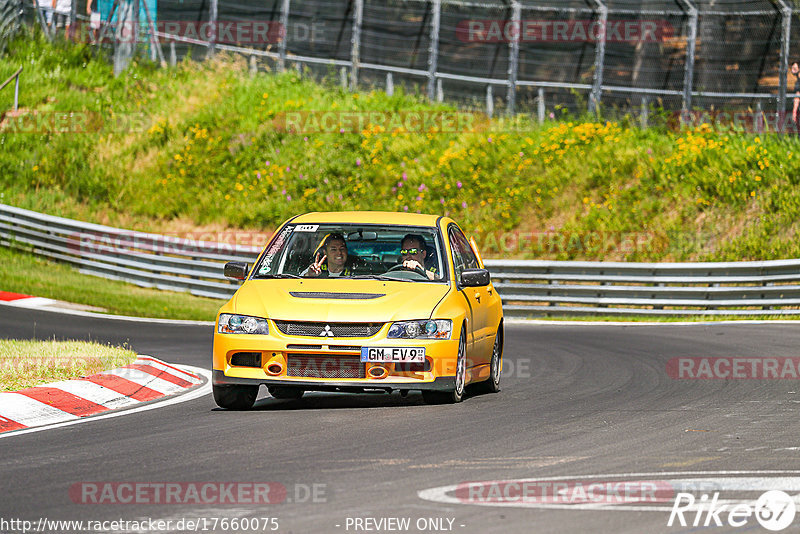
column 413, row 253
column 332, row 259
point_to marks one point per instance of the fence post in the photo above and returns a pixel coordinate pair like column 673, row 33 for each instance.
column 16, row 91
column 285, row 5
column 489, row 101
column 439, row 90
column 540, row 105
column 644, row 114
column 173, row 56
column 513, row 55
column 786, row 27
column 389, row 84
column 355, row 51
column 433, row 49
column 212, row 37
column 691, row 44
column 599, row 60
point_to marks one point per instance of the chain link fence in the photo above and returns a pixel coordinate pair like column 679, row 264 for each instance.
column 541, row 57
column 10, row 21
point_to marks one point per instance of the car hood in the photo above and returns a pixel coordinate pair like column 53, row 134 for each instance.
column 338, row 300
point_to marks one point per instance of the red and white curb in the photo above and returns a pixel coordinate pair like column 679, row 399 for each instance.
column 24, row 301
column 144, row 380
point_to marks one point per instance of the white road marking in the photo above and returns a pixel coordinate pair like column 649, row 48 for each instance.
column 27, row 411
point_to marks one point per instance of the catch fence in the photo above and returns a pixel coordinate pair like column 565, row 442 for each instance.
column 545, row 57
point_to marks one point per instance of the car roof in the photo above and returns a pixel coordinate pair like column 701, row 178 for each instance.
column 367, row 217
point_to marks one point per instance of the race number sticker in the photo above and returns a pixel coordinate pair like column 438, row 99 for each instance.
column 306, row 228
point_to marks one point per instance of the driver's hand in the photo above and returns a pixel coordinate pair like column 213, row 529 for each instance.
column 316, row 268
column 412, row 264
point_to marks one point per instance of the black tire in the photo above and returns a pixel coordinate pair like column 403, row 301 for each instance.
column 492, row 384
column 282, row 392
column 457, row 394
column 235, row 397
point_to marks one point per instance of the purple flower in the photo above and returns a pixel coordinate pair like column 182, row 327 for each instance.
column 341, row 130
column 277, row 150
column 405, row 176
column 358, row 162
column 326, row 181
column 405, row 208
column 552, row 115
column 459, row 185
column 270, row 174
column 288, row 169
column 649, row 151
column 419, row 198
column 416, row 160
column 258, row 175
column 463, row 204
column 441, row 201
column 489, row 139
column 301, row 176
column 283, row 192
column 521, row 154
column 394, row 190
column 399, row 184
column 267, row 163
column 288, row 197
column 421, row 188
column 305, row 139
column 403, row 164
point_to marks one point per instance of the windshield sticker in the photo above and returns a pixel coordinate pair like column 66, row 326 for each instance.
column 306, row 228
column 274, row 248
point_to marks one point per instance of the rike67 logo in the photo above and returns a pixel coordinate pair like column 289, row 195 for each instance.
column 774, row 510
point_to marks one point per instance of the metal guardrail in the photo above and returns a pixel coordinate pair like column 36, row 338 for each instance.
column 528, row 288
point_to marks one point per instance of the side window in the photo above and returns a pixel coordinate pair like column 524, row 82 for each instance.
column 463, row 257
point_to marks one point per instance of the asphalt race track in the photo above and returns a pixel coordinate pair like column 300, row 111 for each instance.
column 577, row 401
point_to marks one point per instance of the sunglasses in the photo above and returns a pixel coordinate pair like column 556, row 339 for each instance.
column 409, row 251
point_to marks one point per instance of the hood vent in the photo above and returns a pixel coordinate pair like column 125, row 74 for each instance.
column 329, row 295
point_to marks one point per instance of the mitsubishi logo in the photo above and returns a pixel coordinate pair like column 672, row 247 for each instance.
column 327, row 331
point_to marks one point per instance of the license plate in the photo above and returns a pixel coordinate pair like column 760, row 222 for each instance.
column 393, row 354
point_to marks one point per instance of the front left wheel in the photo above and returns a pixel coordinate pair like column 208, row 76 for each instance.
column 492, row 384
column 457, row 394
column 235, row 397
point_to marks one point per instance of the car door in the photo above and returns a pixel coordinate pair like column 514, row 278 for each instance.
column 476, row 297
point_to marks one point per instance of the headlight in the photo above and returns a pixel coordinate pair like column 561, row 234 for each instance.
column 423, row 329
column 241, row 324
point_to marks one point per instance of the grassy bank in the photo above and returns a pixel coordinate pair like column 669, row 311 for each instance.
column 212, row 153
column 23, row 273
column 25, row 363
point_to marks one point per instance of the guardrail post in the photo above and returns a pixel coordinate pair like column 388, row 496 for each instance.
column 489, row 101
column 433, row 49
column 513, row 55
column 355, row 50
column 284, row 33
column 253, row 65
column 439, row 91
column 786, row 28
column 173, row 56
column 343, row 77
column 599, row 60
column 759, row 122
column 691, row 44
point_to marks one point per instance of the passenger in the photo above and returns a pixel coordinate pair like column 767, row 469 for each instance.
column 414, row 253
column 332, row 259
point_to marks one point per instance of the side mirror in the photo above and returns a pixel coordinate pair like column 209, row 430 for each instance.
column 475, row 277
column 236, row 270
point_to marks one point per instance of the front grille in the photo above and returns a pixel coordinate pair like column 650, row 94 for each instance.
column 325, row 366
column 293, row 328
column 348, row 348
column 246, row 359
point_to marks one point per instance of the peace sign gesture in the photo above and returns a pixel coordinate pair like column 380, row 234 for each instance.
column 316, row 267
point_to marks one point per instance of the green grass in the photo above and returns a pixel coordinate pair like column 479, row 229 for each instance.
column 27, row 274
column 210, row 155
column 25, row 363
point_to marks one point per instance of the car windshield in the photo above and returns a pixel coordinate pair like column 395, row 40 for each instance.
column 386, row 252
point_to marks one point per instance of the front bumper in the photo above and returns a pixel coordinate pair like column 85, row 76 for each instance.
column 444, row 383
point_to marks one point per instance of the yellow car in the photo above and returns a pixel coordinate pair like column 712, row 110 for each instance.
column 358, row 302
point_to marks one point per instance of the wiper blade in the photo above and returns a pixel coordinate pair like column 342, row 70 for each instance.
column 284, row 275
column 378, row 277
